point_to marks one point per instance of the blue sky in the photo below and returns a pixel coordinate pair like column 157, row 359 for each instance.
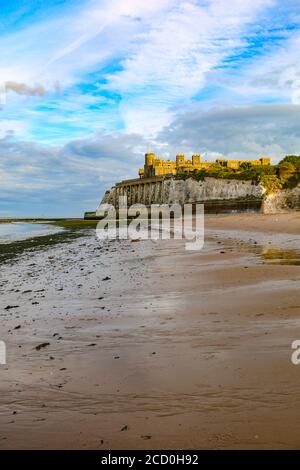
column 88, row 86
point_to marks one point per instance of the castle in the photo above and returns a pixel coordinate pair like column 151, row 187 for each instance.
column 158, row 167
column 156, row 185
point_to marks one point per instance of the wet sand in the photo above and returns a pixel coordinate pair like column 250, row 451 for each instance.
column 154, row 347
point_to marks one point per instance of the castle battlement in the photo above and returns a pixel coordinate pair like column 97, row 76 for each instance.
column 155, row 166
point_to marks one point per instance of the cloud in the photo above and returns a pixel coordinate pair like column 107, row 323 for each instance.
column 23, row 89
column 236, row 132
column 64, row 180
column 150, row 57
column 174, row 58
column 12, row 127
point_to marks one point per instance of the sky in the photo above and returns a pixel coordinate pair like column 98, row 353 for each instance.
column 88, row 86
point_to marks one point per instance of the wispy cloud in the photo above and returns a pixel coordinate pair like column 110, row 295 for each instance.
column 23, row 89
column 155, row 55
column 174, row 58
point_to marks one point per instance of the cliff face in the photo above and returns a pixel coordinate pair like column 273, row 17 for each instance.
column 282, row 201
column 211, row 191
column 188, row 191
column 172, row 190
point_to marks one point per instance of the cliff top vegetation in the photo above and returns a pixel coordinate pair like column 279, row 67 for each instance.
column 285, row 175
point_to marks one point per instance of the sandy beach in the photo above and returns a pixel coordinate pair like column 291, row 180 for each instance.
column 144, row 345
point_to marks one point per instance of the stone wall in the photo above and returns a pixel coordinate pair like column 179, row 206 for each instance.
column 235, row 194
column 171, row 190
column 188, row 191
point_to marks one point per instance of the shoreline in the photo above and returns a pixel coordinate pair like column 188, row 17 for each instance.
column 72, row 230
column 21, row 231
column 152, row 346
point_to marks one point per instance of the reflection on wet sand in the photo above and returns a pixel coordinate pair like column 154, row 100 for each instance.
column 279, row 256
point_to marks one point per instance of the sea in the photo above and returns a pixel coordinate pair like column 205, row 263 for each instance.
column 16, row 231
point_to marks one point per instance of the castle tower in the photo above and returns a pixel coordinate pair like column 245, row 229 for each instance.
column 149, row 163
column 180, row 159
column 265, row 161
column 196, row 159
column 149, row 159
